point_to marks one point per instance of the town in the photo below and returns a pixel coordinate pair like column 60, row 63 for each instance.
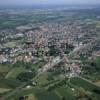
column 50, row 54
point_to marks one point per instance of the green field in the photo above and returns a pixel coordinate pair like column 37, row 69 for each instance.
column 3, row 90
column 36, row 94
column 65, row 92
column 4, row 69
column 47, row 96
column 42, row 80
column 92, row 90
column 15, row 72
column 83, row 83
column 9, row 83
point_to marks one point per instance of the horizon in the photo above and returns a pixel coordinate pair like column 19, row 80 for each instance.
column 47, row 2
column 40, row 6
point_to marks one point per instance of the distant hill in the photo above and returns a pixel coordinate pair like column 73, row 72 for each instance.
column 49, row 7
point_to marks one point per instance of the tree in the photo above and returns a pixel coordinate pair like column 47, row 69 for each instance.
column 25, row 76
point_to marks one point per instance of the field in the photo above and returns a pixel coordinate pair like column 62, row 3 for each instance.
column 91, row 89
column 84, row 83
column 47, row 96
column 36, row 94
column 4, row 70
column 42, row 80
column 65, row 92
column 3, row 90
column 15, row 72
column 9, row 83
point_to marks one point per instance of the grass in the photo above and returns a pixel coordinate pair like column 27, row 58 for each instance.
column 24, row 92
column 65, row 92
column 98, row 83
column 15, row 72
column 31, row 97
column 84, row 84
column 4, row 69
column 3, row 90
column 42, row 80
column 47, row 96
column 35, row 93
column 9, row 83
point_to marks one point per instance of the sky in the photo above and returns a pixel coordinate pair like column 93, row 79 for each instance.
column 32, row 2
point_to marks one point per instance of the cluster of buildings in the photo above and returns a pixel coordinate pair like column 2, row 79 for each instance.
column 41, row 41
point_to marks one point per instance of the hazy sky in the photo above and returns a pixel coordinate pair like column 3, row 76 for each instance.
column 28, row 2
